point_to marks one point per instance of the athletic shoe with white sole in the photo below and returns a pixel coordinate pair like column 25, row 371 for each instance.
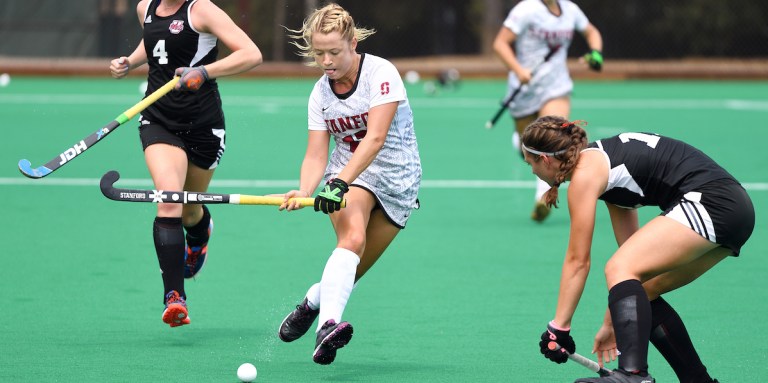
column 175, row 313
column 298, row 322
column 195, row 256
column 619, row 376
column 331, row 337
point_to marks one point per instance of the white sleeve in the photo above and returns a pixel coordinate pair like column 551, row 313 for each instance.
column 580, row 19
column 315, row 110
column 387, row 86
column 516, row 20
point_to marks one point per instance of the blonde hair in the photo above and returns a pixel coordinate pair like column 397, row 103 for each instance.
column 328, row 19
column 556, row 137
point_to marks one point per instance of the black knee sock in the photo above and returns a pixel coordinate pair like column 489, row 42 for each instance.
column 631, row 316
column 670, row 337
column 169, row 245
column 198, row 234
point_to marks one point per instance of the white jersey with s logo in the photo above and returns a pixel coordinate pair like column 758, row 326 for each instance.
column 394, row 175
column 538, row 31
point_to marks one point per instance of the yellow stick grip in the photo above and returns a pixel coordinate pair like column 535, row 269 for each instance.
column 147, row 101
column 243, row 199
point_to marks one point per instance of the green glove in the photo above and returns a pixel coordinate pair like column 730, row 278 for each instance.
column 329, row 199
column 594, row 59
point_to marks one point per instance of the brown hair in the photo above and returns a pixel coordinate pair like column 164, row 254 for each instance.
column 330, row 18
column 558, row 138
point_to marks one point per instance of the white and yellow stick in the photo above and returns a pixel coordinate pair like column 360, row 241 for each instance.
column 164, row 196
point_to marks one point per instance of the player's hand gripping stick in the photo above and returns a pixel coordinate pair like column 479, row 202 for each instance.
column 329, row 199
column 191, row 79
column 561, row 337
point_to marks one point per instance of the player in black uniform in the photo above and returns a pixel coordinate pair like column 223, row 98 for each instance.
column 183, row 132
column 707, row 216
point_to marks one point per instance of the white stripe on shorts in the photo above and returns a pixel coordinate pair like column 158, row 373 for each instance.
column 691, row 213
column 218, row 133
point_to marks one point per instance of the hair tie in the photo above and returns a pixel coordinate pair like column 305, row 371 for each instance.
column 570, row 124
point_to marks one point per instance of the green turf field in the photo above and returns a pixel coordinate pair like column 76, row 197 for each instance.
column 462, row 295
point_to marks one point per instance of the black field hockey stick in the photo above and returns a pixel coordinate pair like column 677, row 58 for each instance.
column 505, row 104
column 584, row 361
column 164, row 196
column 77, row 149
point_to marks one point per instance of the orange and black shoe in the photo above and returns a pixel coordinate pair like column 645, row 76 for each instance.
column 195, row 256
column 175, row 313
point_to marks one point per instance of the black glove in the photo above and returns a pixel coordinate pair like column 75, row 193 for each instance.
column 329, row 199
column 192, row 78
column 595, row 60
column 561, row 337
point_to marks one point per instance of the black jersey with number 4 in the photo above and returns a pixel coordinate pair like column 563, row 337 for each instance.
column 652, row 170
column 171, row 42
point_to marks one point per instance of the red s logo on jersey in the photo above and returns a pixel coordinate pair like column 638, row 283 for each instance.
column 385, row 88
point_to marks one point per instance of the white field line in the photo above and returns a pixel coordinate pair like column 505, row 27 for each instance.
column 426, row 184
column 276, row 102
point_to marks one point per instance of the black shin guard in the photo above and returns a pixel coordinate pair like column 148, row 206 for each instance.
column 631, row 316
column 169, row 245
column 670, row 337
column 198, row 234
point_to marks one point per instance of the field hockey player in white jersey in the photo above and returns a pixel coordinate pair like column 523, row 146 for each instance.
column 361, row 103
column 530, row 32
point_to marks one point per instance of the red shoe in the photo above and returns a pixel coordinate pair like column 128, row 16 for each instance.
column 175, row 313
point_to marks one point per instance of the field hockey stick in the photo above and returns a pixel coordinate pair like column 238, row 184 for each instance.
column 584, row 361
column 164, row 196
column 77, row 149
column 505, row 104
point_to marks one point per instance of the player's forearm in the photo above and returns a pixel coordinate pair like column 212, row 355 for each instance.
column 138, row 57
column 594, row 38
column 507, row 56
column 364, row 155
column 572, row 282
column 312, row 170
column 237, row 62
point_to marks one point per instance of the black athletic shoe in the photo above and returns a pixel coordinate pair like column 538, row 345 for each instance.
column 296, row 324
column 619, row 376
column 331, row 337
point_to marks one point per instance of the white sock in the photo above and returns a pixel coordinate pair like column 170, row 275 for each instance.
column 336, row 284
column 541, row 188
column 313, row 296
column 516, row 140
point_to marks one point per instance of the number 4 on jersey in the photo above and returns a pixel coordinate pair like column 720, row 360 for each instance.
column 159, row 52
